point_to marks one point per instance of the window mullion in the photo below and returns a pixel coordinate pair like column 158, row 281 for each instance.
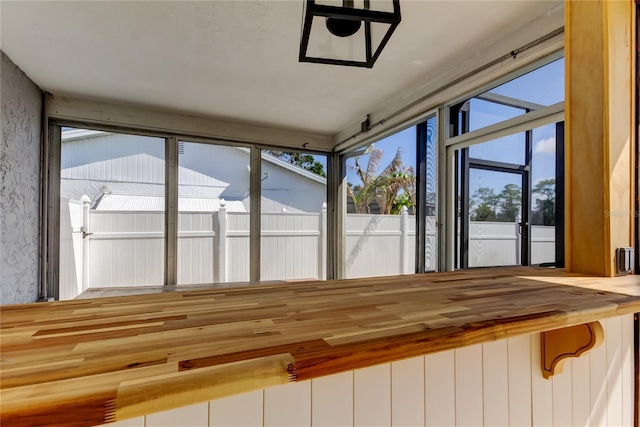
column 255, row 191
column 421, row 199
column 171, row 212
column 51, row 287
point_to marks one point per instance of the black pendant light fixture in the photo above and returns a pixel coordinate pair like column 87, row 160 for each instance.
column 347, row 32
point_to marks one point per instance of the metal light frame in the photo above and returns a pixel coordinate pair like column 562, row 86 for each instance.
column 364, row 15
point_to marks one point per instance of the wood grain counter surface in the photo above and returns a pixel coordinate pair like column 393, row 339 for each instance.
column 91, row 361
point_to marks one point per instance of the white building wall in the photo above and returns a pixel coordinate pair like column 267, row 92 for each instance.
column 290, row 188
column 498, row 383
column 131, row 164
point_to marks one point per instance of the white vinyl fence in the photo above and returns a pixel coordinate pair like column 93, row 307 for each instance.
column 499, row 243
column 112, row 249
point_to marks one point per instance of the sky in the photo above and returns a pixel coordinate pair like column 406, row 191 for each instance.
column 544, row 86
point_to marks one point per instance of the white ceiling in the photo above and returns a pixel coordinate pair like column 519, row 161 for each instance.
column 238, row 59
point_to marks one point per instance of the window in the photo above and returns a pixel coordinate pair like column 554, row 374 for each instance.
column 149, row 210
column 126, row 222
column 506, row 185
column 391, row 208
column 111, row 210
column 293, row 221
column 537, row 89
column 213, row 213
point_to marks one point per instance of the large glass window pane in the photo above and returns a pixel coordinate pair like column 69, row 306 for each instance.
column 484, row 113
column 293, row 238
column 539, row 88
column 213, row 213
column 111, row 210
column 495, row 211
column 543, row 195
column 508, row 149
column 543, row 86
column 380, row 221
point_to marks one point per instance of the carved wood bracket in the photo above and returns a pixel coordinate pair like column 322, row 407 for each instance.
column 573, row 341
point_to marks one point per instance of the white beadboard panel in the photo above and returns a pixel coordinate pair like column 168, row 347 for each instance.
column 519, row 355
column 440, row 389
column 613, row 344
column 598, row 381
column 580, row 379
column 469, row 397
column 288, row 405
column 188, row 416
column 495, row 374
column 407, row 392
column 627, row 369
column 242, row 410
column 332, row 400
column 541, row 389
column 562, row 399
column 372, row 396
column 131, row 422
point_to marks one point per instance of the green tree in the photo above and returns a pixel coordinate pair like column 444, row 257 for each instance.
column 304, row 161
column 545, row 211
column 391, row 189
column 483, row 205
column 510, row 202
column 363, row 194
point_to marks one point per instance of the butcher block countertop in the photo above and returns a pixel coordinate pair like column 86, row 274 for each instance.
column 91, row 361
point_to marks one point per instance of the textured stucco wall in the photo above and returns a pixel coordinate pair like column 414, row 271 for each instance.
column 19, row 185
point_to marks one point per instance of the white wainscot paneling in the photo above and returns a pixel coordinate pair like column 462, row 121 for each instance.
column 407, row 392
column 188, row 416
column 242, row 410
column 495, row 382
column 541, row 389
column 440, row 389
column 519, row 355
column 627, row 343
column 492, row 384
column 372, row 396
column 332, row 400
column 131, row 422
column 288, row 405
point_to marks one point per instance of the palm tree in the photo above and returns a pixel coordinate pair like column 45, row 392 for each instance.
column 392, row 188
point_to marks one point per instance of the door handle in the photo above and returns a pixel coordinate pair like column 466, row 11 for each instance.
column 520, row 224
